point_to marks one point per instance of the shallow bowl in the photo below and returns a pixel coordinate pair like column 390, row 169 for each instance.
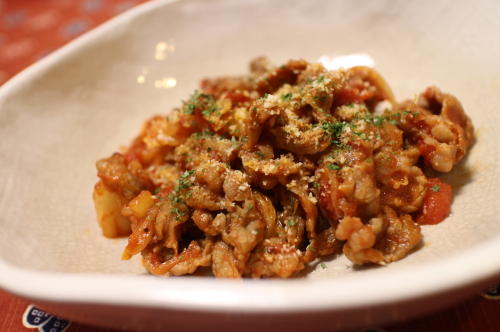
column 83, row 101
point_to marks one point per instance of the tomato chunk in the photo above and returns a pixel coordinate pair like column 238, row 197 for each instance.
column 437, row 203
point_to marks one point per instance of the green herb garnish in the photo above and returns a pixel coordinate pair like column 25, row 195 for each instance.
column 333, row 167
column 334, row 129
column 320, row 98
column 203, row 134
column 286, row 96
column 177, row 196
column 177, row 212
column 210, row 110
column 408, row 112
column 378, row 120
column 200, row 101
column 435, row 188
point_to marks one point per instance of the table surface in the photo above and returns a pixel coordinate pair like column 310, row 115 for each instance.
column 31, row 29
column 480, row 313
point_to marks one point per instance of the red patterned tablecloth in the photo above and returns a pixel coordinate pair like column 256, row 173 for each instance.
column 31, row 29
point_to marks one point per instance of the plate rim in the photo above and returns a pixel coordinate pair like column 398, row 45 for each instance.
column 381, row 287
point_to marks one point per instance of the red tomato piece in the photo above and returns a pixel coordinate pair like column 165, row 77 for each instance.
column 437, row 203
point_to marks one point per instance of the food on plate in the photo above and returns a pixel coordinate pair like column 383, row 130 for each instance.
column 261, row 175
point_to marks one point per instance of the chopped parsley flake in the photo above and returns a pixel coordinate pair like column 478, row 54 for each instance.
column 203, row 134
column 334, row 129
column 177, row 212
column 177, row 196
column 361, row 135
column 378, row 121
column 291, row 222
column 323, row 266
column 321, row 79
column 189, row 109
column 200, row 101
column 435, row 188
column 176, row 199
column 286, row 96
column 320, row 98
column 408, row 112
column 210, row 110
column 333, row 167
column 184, row 179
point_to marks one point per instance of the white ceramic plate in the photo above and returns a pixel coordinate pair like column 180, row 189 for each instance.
column 82, row 102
